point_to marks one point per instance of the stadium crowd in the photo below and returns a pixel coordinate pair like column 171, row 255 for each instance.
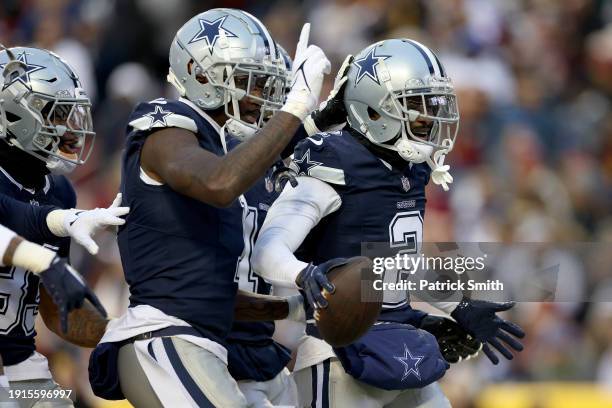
column 532, row 162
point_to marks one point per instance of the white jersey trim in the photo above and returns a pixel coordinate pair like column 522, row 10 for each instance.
column 148, row 179
column 35, row 367
column 145, row 318
column 172, row 120
column 21, row 187
column 328, row 174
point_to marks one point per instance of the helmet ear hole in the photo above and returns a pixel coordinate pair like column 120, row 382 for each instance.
column 189, row 65
column 201, row 78
column 11, row 117
column 373, row 114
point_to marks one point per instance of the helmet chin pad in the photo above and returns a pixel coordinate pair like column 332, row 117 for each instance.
column 414, row 152
column 239, row 130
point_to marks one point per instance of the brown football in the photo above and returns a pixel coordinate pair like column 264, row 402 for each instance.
column 353, row 307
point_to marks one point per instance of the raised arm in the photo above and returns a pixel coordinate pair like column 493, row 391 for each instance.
column 197, row 173
column 173, row 155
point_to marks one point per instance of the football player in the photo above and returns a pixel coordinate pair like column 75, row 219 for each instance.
column 46, row 133
column 182, row 241
column 367, row 184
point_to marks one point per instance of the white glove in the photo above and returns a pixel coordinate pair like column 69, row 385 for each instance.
column 309, row 66
column 81, row 225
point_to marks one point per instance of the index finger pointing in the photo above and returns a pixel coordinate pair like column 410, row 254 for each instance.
column 303, row 41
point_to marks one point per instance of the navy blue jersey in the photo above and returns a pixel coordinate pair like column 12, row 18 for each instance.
column 252, row 354
column 20, row 216
column 19, row 295
column 380, row 204
column 179, row 255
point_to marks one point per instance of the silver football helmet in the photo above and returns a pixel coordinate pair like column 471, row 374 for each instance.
column 288, row 63
column 223, row 55
column 399, row 97
column 47, row 113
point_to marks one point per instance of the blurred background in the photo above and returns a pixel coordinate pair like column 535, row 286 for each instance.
column 532, row 163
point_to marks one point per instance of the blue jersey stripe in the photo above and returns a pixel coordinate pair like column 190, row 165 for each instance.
column 313, row 373
column 268, row 42
column 424, row 54
column 190, row 385
column 325, row 391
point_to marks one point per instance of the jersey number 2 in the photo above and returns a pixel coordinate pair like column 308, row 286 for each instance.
column 405, row 235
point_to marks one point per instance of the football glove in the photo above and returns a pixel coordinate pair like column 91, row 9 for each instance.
column 281, row 175
column 332, row 112
column 81, row 225
column 479, row 318
column 309, row 66
column 312, row 281
column 455, row 343
column 67, row 289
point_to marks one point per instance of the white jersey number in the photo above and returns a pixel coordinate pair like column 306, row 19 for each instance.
column 13, row 310
column 405, row 234
column 245, row 276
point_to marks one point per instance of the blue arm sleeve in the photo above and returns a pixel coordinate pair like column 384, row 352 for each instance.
column 27, row 220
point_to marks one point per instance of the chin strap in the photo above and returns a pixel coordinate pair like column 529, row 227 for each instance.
column 440, row 174
column 239, row 130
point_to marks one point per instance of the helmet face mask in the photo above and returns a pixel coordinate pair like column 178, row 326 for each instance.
column 48, row 114
column 67, row 128
column 414, row 102
column 428, row 116
column 220, row 57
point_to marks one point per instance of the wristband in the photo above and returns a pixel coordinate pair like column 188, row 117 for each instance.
column 33, row 257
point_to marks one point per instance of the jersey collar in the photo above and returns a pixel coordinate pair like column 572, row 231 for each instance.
column 203, row 114
column 21, row 187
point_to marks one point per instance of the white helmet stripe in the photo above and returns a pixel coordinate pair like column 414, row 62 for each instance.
column 268, row 41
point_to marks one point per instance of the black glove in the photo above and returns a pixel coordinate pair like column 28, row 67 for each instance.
column 333, row 113
column 478, row 317
column 312, row 280
column 67, row 289
column 281, row 175
column 455, row 343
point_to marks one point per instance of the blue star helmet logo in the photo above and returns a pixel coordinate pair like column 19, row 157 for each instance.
column 25, row 77
column 158, row 116
column 210, row 31
column 367, row 65
column 410, row 363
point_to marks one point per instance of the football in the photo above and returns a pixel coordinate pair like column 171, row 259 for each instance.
column 353, row 307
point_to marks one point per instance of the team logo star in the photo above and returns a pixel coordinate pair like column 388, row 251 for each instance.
column 25, row 77
column 306, row 162
column 210, row 31
column 367, row 65
column 159, row 115
column 410, row 363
